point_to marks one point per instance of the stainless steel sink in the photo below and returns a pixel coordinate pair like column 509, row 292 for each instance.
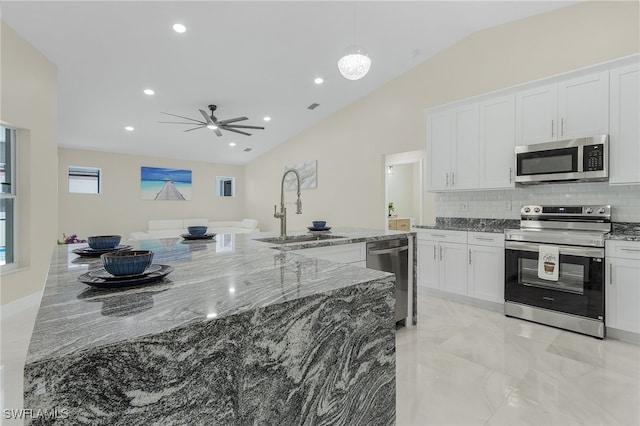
column 298, row 238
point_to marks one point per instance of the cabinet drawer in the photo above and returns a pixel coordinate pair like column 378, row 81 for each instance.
column 486, row 239
column 623, row 249
column 393, row 224
column 439, row 235
column 403, row 225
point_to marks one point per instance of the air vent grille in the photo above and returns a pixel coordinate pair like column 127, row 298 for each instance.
column 247, row 149
column 313, row 106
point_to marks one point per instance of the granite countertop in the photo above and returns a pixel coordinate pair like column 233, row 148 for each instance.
column 211, row 280
column 471, row 224
column 625, row 231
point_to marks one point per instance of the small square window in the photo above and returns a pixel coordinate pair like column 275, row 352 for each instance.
column 84, row 180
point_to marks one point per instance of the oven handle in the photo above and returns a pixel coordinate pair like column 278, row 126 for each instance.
column 568, row 250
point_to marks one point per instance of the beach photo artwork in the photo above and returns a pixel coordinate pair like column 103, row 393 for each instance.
column 165, row 184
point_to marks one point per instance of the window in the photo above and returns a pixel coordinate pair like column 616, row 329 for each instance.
column 84, row 180
column 7, row 195
column 225, row 186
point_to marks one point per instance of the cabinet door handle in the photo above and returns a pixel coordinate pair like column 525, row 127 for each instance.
column 446, row 184
column 438, row 235
column 469, row 256
column 551, row 128
column 434, row 252
column 611, row 273
column 440, row 252
column 453, row 179
column 562, row 126
column 485, row 238
column 630, row 249
column 510, row 174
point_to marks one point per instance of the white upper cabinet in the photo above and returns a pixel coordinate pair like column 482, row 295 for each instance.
column 624, row 138
column 439, row 141
column 496, row 142
column 537, row 112
column 572, row 108
column 453, row 148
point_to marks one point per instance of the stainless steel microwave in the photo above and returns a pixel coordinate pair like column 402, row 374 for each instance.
column 572, row 160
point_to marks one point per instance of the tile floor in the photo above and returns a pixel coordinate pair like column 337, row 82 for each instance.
column 463, row 365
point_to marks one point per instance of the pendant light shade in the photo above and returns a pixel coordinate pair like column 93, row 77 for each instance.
column 355, row 63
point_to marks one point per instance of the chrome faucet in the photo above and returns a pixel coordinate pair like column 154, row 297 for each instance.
column 282, row 214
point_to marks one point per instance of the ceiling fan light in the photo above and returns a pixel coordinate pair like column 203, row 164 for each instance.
column 355, row 63
column 212, row 127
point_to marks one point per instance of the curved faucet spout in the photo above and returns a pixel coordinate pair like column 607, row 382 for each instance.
column 282, row 214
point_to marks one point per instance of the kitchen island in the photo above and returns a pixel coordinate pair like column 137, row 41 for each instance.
column 241, row 332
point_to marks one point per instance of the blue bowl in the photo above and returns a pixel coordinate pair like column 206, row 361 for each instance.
column 197, row 230
column 319, row 223
column 103, row 242
column 132, row 262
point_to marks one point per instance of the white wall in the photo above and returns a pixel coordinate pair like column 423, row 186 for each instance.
column 118, row 209
column 29, row 103
column 354, row 140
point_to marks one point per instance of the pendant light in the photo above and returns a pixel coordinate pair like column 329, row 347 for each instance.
column 355, row 63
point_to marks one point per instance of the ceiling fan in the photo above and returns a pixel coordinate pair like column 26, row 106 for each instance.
column 211, row 122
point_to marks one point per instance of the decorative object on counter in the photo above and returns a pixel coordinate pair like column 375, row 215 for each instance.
column 72, row 239
column 319, row 223
column 391, row 209
column 206, row 236
column 89, row 252
column 126, row 281
column 103, row 242
column 319, row 226
column 314, row 229
column 197, row 230
column 133, row 262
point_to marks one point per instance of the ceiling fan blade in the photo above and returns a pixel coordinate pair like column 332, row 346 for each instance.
column 240, row 126
column 236, row 131
column 178, row 122
column 232, row 120
column 207, row 119
column 218, row 132
column 196, row 128
column 186, row 118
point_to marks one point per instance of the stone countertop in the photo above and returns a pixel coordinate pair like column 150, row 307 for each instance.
column 625, row 231
column 211, row 279
column 471, row 224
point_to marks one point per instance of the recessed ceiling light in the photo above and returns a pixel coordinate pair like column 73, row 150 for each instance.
column 232, row 144
column 179, row 28
column 267, row 118
column 318, row 80
column 129, row 128
column 149, row 92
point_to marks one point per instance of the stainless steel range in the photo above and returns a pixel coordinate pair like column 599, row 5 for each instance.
column 554, row 267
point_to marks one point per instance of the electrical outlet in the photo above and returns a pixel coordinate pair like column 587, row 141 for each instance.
column 464, row 206
column 507, row 205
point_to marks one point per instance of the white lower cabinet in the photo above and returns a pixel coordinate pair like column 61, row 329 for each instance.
column 469, row 264
column 486, row 266
column 622, row 292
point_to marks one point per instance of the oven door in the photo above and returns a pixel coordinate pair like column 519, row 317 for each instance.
column 580, row 286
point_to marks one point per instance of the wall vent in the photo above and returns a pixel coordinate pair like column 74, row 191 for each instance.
column 247, row 149
column 313, row 106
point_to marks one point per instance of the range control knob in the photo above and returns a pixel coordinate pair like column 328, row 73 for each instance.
column 537, row 210
column 589, row 210
column 601, row 210
column 527, row 209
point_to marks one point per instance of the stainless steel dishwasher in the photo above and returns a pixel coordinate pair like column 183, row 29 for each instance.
column 392, row 256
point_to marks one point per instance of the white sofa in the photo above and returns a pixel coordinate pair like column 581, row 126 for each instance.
column 169, row 228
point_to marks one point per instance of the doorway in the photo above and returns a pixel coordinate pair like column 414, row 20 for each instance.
column 404, row 187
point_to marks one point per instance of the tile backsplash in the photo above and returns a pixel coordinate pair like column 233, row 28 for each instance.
column 505, row 204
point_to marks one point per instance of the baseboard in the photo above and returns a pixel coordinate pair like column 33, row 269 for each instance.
column 491, row 306
column 19, row 305
column 627, row 336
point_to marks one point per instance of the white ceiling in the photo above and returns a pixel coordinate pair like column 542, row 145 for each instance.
column 250, row 58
